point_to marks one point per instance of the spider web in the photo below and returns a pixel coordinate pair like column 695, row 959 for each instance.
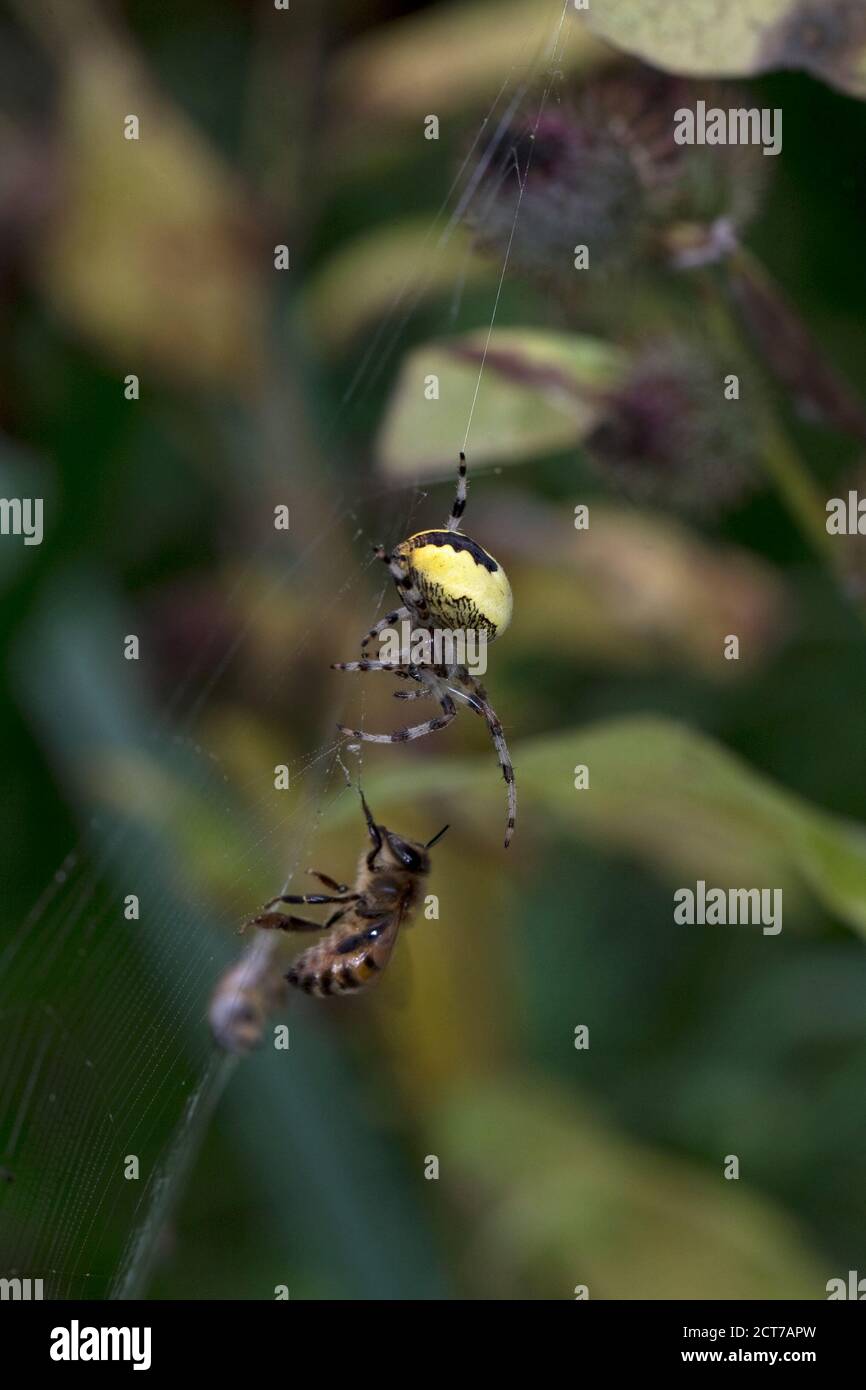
column 106, row 1096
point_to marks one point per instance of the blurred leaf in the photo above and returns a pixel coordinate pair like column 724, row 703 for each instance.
column 659, row 790
column 392, row 263
column 453, row 54
column 642, row 591
column 539, row 392
column 741, row 37
column 178, row 284
column 567, row 1201
column 460, row 998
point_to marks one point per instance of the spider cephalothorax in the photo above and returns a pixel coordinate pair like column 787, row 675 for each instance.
column 447, row 581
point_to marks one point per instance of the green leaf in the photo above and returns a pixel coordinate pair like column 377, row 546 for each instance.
column 453, row 54
column 670, row 796
column 398, row 263
column 161, row 218
column 643, row 591
column 567, row 1201
column 741, row 37
column 539, row 392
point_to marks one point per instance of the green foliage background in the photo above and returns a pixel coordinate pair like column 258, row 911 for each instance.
column 557, row 1167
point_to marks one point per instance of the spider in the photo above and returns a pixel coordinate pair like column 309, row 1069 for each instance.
column 446, row 581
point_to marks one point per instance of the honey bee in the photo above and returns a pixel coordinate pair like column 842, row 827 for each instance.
column 361, row 933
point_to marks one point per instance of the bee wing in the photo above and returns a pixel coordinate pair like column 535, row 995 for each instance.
column 395, row 999
column 367, row 943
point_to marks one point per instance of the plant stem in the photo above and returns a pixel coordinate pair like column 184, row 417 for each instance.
column 788, row 471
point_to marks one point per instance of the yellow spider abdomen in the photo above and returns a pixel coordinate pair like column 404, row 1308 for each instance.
column 461, row 584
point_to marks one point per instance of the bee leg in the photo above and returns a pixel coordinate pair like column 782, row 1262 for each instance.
column 329, row 882
column 311, row 898
column 278, row 921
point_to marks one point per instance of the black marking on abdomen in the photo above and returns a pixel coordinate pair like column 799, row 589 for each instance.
column 352, row 943
column 457, row 542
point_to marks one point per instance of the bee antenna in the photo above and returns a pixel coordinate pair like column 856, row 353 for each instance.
column 375, row 832
column 367, row 812
column 432, row 842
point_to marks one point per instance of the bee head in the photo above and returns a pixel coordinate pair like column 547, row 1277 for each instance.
column 402, row 853
column 406, row 854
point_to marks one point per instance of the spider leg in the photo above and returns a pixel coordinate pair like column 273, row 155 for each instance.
column 405, row 673
column 395, row 617
column 461, row 674
column 396, row 666
column 495, row 727
column 329, row 882
column 459, row 505
column 449, row 711
column 412, row 673
column 407, row 590
column 469, row 700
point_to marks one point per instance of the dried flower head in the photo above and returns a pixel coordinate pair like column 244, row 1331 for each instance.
column 605, row 171
column 669, row 434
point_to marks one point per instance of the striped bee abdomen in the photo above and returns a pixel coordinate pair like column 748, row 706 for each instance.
column 349, row 958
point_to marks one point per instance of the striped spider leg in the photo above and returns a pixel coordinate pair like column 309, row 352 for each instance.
column 442, row 684
column 494, row 725
column 431, row 686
